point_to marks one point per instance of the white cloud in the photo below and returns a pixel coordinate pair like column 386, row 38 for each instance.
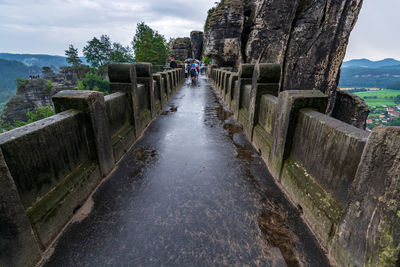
column 49, row 26
column 40, row 26
column 375, row 35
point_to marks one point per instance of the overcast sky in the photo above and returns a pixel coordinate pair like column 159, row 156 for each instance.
column 49, row 26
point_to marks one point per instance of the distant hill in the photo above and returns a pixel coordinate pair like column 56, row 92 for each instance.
column 373, row 74
column 366, row 63
column 38, row 60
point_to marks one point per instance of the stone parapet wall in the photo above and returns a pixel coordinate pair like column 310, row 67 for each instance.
column 49, row 168
column 345, row 181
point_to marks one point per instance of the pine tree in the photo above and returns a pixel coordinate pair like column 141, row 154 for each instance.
column 72, row 56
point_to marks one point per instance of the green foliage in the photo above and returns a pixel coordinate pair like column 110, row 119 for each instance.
column 206, row 60
column 120, row 53
column 49, row 85
column 379, row 97
column 383, row 77
column 99, row 52
column 397, row 99
column 72, row 56
column 21, row 82
column 47, row 71
column 149, row 45
column 394, row 86
column 94, row 82
column 38, row 114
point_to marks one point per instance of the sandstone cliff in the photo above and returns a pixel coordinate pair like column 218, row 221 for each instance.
column 38, row 92
column 196, row 40
column 307, row 37
column 181, row 49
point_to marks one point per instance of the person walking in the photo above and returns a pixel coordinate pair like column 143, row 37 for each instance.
column 186, row 69
column 173, row 63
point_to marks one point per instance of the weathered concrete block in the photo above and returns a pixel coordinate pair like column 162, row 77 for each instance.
column 167, row 84
column 265, row 80
column 369, row 231
column 225, row 89
column 245, row 78
column 123, row 79
column 18, row 245
column 144, row 72
column 120, row 124
column 321, row 169
column 92, row 105
column 231, row 87
column 160, row 89
column 289, row 105
column 262, row 133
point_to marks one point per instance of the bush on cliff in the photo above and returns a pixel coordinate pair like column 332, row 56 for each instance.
column 94, row 82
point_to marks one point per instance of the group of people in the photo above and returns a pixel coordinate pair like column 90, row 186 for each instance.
column 192, row 67
column 35, row 76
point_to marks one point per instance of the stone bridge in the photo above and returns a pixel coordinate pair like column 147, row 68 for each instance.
column 227, row 171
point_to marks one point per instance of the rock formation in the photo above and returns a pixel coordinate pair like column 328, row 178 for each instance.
column 38, row 92
column 181, row 49
column 196, row 40
column 307, row 37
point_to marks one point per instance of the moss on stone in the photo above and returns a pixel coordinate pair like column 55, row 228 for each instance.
column 47, row 206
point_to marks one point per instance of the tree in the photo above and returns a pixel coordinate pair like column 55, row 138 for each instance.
column 149, row 45
column 47, row 72
column 72, row 56
column 98, row 51
column 121, row 53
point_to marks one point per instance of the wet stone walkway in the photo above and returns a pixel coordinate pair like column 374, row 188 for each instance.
column 191, row 192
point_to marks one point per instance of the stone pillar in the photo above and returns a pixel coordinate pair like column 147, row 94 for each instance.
column 245, row 78
column 91, row 103
column 225, row 84
column 289, row 105
column 222, row 86
column 161, row 87
column 265, row 81
column 369, row 231
column 231, row 86
column 123, row 79
column 167, row 84
column 171, row 82
column 144, row 72
column 18, row 244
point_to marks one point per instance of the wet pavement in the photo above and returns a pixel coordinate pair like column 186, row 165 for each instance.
column 191, row 192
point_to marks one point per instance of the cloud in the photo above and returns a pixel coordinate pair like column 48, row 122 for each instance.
column 48, row 26
column 375, row 35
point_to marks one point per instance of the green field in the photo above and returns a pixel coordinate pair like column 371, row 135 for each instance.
column 384, row 97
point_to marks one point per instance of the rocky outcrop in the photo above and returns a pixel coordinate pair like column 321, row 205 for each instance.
column 35, row 93
column 196, row 40
column 351, row 109
column 181, row 49
column 307, row 37
column 38, row 92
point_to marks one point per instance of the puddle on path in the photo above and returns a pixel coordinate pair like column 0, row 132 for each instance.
column 172, row 109
column 272, row 219
column 272, row 222
column 144, row 154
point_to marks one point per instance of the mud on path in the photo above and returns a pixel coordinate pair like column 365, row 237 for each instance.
column 192, row 192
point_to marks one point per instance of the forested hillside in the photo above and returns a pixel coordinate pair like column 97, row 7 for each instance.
column 370, row 74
